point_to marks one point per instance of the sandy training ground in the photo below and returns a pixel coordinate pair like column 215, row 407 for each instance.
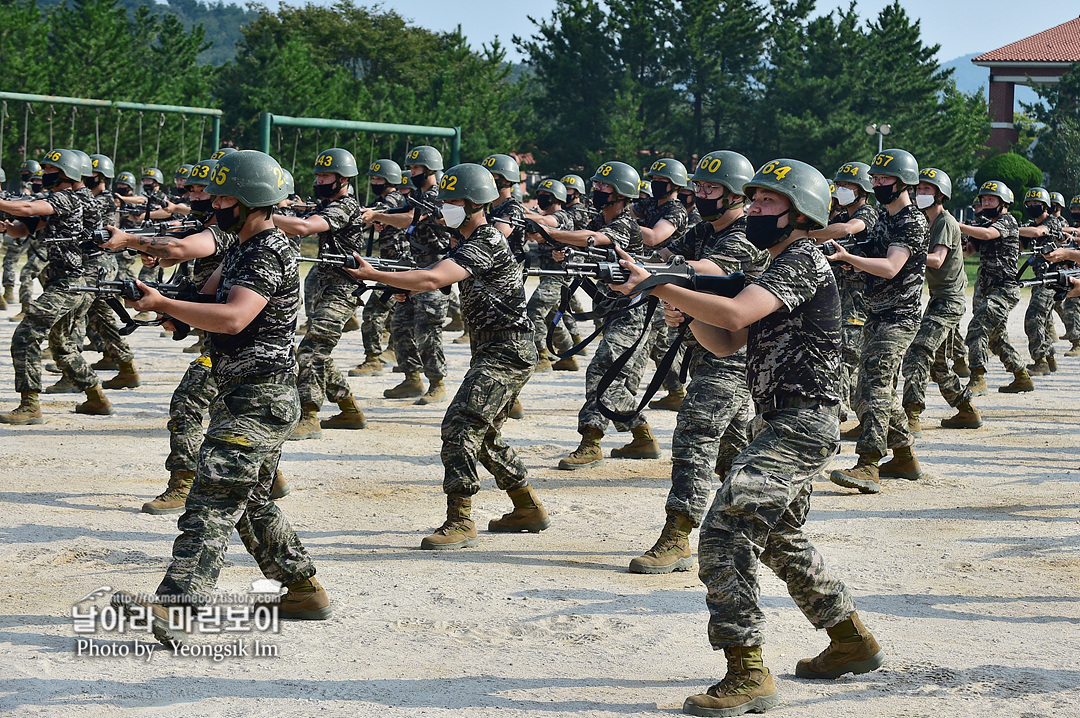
column 970, row 578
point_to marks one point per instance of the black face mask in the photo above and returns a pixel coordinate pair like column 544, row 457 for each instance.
column 417, row 180
column 93, row 182
column 1034, row 211
column 123, row 191
column 325, row 191
column 763, row 232
column 687, row 200
column 148, row 189
column 545, row 200
column 202, row 206
column 1075, row 216
column 887, row 194
column 379, row 188
column 50, row 179
column 26, row 176
column 660, row 188
column 709, row 207
column 600, row 199
column 228, row 218
column 991, row 213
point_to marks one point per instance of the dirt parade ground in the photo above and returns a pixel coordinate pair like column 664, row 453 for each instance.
column 970, row 578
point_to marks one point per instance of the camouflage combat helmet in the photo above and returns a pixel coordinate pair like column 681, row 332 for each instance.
column 153, row 173
column 1038, row 194
column 387, row 169
column 936, row 177
column 104, row 165
column 222, row 151
column 127, row 178
column 503, row 166
column 1057, row 199
column 553, row 187
column 200, row 173
column 68, row 162
column 644, row 187
column 425, row 156
column 726, row 168
column 858, row 173
column 670, row 169
column 573, row 182
column 997, row 188
column 182, row 171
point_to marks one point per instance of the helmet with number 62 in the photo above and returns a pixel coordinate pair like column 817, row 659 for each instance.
column 804, row 186
column 470, row 182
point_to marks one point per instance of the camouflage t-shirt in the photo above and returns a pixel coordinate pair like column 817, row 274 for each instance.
column 268, row 265
column 852, row 284
column 65, row 258
column 544, row 249
column 393, row 244
column 948, row 283
column 94, row 217
column 510, row 208
column 899, row 298
column 693, row 216
column 1055, row 225
column 649, row 213
column 794, row 353
column 203, row 267
column 998, row 257
column 624, row 232
column 580, row 214
column 493, row 297
column 345, row 236
column 425, row 242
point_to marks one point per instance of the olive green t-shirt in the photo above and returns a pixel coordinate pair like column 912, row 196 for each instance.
column 949, row 281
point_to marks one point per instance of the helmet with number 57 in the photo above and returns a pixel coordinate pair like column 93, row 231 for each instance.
column 896, row 163
column 805, row 187
column 254, row 178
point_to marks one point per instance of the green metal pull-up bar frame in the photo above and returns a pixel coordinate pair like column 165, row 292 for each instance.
column 267, row 120
column 121, row 105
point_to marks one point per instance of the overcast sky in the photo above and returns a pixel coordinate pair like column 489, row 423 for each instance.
column 961, row 27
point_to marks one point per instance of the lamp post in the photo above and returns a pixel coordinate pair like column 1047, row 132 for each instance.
column 880, row 131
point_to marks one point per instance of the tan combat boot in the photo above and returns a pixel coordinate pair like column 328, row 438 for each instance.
column 105, row 363
column 172, row 500
column 588, row 452
column 517, row 410
column 528, row 514
column 1039, row 368
column 128, row 378
column 566, row 364
column 863, row 476
column 64, row 386
column 351, row 417
column 309, row 426
column 967, row 417
column 853, row 649
column 457, row 324
column 748, row 687
column 411, row 388
column 3, row 302
column 1074, row 350
column 351, row 325
column 1021, row 383
column 305, row 600
column 464, row 338
column 643, row 445
column 903, row 465
column 977, row 383
column 914, row 422
column 435, row 393
column 543, row 364
column 1051, row 363
column 9, row 294
column 458, row 531
column 577, row 339
column 96, row 403
column 852, row 434
column 165, row 630
column 27, row 412
column 671, row 551
column 672, row 402
column 21, row 315
column 372, row 366
column 280, row 488
column 388, row 357
column 961, row 369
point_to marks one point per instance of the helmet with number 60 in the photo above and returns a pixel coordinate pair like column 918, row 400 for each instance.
column 200, row 173
column 804, row 186
column 254, row 178
column 726, row 168
column 470, row 182
column 896, row 163
column 619, row 175
column 340, row 162
column 503, row 166
column 997, row 188
column 387, row 169
column 934, row 176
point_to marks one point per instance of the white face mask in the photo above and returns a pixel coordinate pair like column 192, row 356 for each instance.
column 453, row 215
column 845, row 196
column 922, row 201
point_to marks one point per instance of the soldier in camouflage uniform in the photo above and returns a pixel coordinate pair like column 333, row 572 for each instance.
column 14, row 247
column 927, row 358
column 250, row 333
column 507, row 214
column 545, row 300
column 1038, row 319
column 61, row 214
column 997, row 291
column 385, row 176
column 663, row 220
column 851, row 225
column 687, row 199
column 36, row 255
column 894, row 260
column 337, row 222
column 615, row 185
column 417, row 323
column 712, row 424
column 503, row 356
column 788, row 320
column 1070, row 311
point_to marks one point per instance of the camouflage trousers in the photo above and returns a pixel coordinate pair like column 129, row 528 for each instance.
column 884, row 424
column 711, row 430
column 541, row 309
column 311, row 290
column 103, row 323
column 1069, row 311
column 416, row 330
column 237, row 463
column 757, row 517
column 376, row 315
column 851, row 342
column 14, row 249
column 319, row 377
column 471, row 429
column 927, row 359
column 661, row 343
column 35, row 264
column 124, row 264
column 189, row 403
column 955, row 348
column 1037, row 322
column 52, row 315
column 622, row 394
column 988, row 329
